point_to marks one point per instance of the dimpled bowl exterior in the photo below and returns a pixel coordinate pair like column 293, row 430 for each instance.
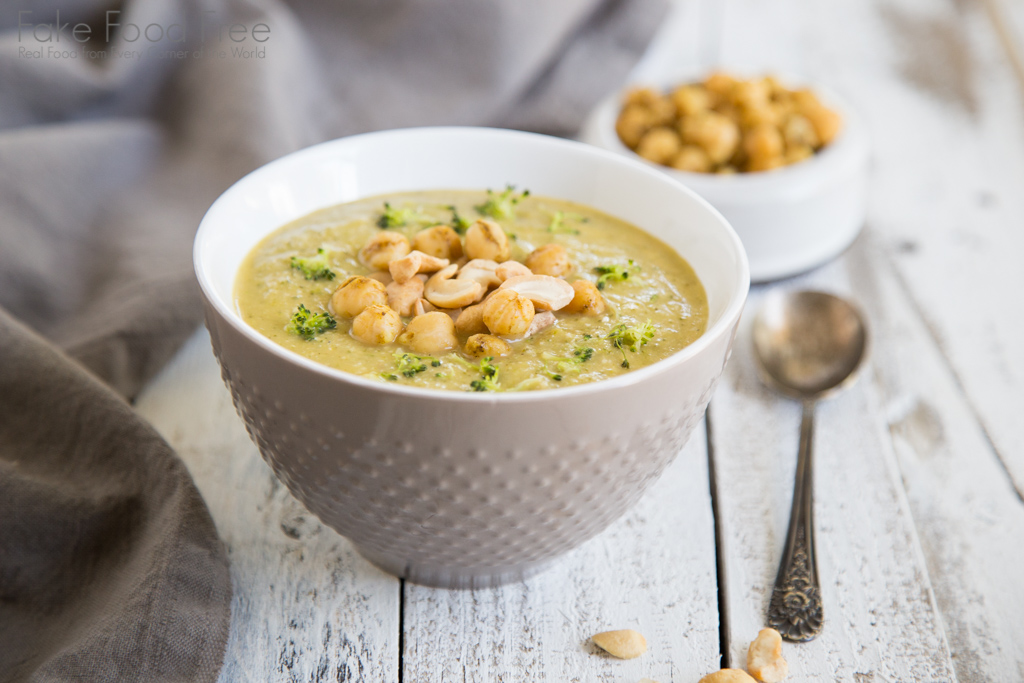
column 447, row 488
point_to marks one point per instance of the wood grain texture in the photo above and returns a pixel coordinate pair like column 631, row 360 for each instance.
column 965, row 508
column 306, row 606
column 653, row 571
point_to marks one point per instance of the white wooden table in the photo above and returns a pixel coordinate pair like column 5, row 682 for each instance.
column 920, row 466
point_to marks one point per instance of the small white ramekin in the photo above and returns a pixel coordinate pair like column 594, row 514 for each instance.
column 790, row 219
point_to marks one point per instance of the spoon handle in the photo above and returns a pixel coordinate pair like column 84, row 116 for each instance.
column 795, row 609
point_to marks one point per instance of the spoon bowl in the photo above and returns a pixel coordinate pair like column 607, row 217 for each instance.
column 808, row 344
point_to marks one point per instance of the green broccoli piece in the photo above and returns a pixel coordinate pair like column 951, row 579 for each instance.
column 489, row 376
column 570, row 364
column 502, row 206
column 630, row 337
column 459, row 224
column 314, row 267
column 558, row 226
column 307, row 324
column 409, row 364
column 614, row 273
column 396, row 218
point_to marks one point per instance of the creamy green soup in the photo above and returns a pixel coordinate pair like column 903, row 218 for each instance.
column 654, row 305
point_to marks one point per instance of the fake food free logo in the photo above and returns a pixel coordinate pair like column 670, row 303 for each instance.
column 207, row 37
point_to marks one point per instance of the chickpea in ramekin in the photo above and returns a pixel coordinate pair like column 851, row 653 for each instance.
column 726, row 125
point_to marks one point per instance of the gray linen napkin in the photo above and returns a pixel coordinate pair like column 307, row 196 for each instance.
column 110, row 568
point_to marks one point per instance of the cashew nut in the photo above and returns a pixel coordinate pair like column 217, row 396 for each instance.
column 542, row 321
column 510, row 269
column 402, row 296
column 728, row 676
column 482, row 270
column 764, row 658
column 625, row 644
column 415, row 262
column 547, row 293
column 445, row 292
column 422, row 306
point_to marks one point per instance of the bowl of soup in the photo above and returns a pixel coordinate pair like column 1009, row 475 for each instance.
column 467, row 350
column 785, row 160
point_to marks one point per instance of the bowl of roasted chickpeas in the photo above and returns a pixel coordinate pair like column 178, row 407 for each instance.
column 447, row 468
column 785, row 161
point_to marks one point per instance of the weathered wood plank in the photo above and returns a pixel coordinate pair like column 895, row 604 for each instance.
column 966, row 510
column 653, row 570
column 881, row 618
column 306, row 607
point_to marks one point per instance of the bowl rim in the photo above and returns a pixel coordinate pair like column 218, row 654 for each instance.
column 848, row 148
column 741, row 280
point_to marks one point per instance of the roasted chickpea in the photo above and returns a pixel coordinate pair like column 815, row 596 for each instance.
column 632, row 123
column 826, row 123
column 800, row 132
column 692, row 158
column 752, row 117
column 429, row 334
column 750, row 94
column 383, row 248
column 486, row 240
column 550, row 259
column 765, row 163
column 480, row 345
column 717, row 134
column 763, row 142
column 691, row 99
column 720, row 84
column 440, row 241
column 507, row 313
column 471, row 320
column 587, row 299
column 356, row 293
column 377, row 325
column 659, row 145
column 643, row 97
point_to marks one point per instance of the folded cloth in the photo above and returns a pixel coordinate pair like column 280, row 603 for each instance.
column 111, row 149
column 111, row 567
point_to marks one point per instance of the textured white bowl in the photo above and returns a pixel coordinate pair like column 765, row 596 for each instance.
column 450, row 488
column 790, row 219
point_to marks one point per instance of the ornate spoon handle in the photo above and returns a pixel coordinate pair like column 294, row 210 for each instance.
column 795, row 608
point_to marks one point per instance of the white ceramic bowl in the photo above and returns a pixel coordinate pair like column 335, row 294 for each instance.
column 450, row 488
column 790, row 219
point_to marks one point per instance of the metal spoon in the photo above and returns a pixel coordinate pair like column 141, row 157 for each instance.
column 807, row 345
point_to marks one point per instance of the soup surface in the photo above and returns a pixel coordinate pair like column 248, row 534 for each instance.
column 635, row 301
